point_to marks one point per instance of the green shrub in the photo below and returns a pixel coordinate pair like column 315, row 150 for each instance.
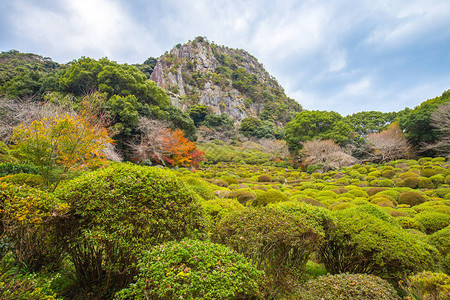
column 433, row 221
column 201, row 187
column 347, row 286
column 410, row 223
column 441, row 192
column 277, row 241
column 411, row 182
column 16, row 168
column 437, row 179
column 364, row 242
column 230, row 180
column 385, row 183
column 26, row 217
column 407, row 175
column 373, row 190
column 116, row 213
column 32, row 180
column 425, row 183
column 358, row 193
column 327, row 193
column 446, row 264
column 383, row 202
column 340, row 205
column 391, row 193
column 428, row 171
column 270, row 196
column 264, row 178
column 388, row 173
column 243, row 196
column 193, row 269
column 429, row 285
column 313, row 202
column 411, row 198
column 441, row 240
column 220, row 182
column 19, row 285
column 218, row 208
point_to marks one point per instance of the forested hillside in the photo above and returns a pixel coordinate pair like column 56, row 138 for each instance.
column 194, row 176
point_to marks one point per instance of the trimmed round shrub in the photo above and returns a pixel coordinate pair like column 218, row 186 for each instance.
column 428, row 171
column 230, row 180
column 271, row 196
column 407, row 175
column 373, row 190
column 425, row 183
column 441, row 240
column 218, row 208
column 441, row 192
column 385, row 183
column 243, row 196
column 383, row 202
column 118, row 212
column 411, row 182
column 341, row 205
column 410, row 223
column 348, row 286
column 411, row 198
column 276, row 241
column 26, row 216
column 201, row 187
column 327, row 193
column 429, row 285
column 437, row 179
column 264, row 178
column 313, row 202
column 358, row 193
column 193, row 269
column 433, row 221
column 16, row 168
column 391, row 193
column 364, row 242
column 388, row 173
column 31, row 180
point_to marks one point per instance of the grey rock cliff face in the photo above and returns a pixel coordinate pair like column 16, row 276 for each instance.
column 199, row 57
column 226, row 80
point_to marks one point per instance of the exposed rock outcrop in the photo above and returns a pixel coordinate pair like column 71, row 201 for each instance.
column 226, row 80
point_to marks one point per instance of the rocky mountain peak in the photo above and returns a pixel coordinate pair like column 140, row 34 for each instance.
column 226, row 80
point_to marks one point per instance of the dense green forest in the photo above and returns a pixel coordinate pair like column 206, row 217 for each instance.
column 108, row 190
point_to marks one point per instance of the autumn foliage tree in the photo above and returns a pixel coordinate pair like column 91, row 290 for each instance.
column 60, row 144
column 163, row 145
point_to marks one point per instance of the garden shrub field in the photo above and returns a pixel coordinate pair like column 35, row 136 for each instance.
column 227, row 230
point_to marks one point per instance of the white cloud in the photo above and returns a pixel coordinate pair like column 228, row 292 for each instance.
column 408, row 21
column 85, row 27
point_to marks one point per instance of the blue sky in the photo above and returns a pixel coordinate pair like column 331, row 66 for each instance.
column 346, row 56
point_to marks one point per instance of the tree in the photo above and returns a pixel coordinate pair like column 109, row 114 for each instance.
column 390, row 144
column 60, row 144
column 249, row 126
column 310, row 125
column 86, row 75
column 198, row 114
column 160, row 144
column 417, row 123
column 440, row 120
column 367, row 122
column 326, row 153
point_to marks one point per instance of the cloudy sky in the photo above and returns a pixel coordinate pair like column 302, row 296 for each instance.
column 341, row 55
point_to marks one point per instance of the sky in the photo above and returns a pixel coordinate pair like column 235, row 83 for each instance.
column 342, row 55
